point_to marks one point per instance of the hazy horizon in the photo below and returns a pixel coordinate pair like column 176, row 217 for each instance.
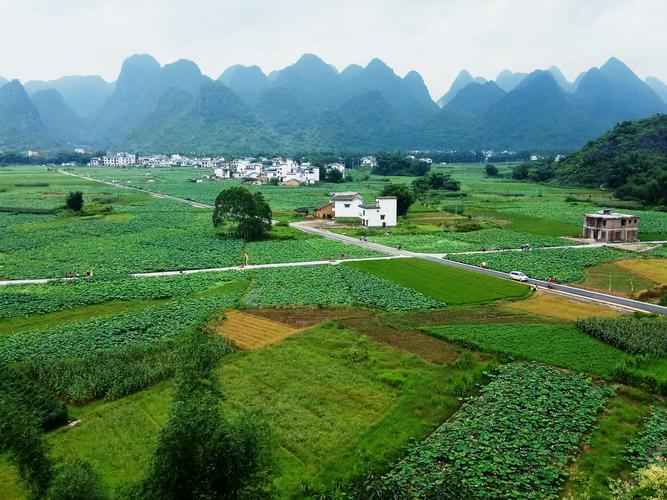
column 436, row 39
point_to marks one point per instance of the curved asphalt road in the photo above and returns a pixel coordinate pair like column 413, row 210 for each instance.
column 577, row 292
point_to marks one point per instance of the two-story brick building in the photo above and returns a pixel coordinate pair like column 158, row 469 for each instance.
column 610, row 227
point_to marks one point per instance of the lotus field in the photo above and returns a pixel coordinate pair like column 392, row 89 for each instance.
column 447, row 242
column 651, row 221
column 514, row 441
column 332, row 285
column 567, row 264
column 67, row 294
column 650, row 446
column 112, row 332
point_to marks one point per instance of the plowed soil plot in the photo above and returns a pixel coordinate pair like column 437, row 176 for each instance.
column 253, row 332
column 303, row 317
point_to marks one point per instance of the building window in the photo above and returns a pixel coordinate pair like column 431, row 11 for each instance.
column 364, row 212
column 622, row 222
column 347, row 205
column 382, row 217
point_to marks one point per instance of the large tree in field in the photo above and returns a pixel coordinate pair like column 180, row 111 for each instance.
column 239, row 213
column 201, row 452
column 404, row 196
column 74, row 201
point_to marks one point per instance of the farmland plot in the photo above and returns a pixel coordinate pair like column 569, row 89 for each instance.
column 267, row 252
column 67, row 294
column 332, row 285
column 113, row 332
column 515, row 441
column 447, row 242
column 252, row 332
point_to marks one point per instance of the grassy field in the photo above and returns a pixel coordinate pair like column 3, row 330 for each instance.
column 617, row 278
column 337, row 404
column 653, row 270
column 558, row 345
column 443, row 283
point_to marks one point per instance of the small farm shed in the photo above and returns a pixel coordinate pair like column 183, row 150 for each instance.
column 324, row 211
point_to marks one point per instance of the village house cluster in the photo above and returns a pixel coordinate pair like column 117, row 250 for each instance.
column 263, row 170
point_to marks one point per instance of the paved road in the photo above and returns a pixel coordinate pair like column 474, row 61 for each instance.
column 575, row 292
column 193, row 203
column 332, row 262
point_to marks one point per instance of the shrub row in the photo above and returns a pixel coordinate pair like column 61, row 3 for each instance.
column 47, row 410
column 632, row 334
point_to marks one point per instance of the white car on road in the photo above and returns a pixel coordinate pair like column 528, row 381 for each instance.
column 518, row 276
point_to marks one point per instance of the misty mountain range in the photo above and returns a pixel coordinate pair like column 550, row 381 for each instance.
column 311, row 106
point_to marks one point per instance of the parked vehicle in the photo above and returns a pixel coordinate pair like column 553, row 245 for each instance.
column 518, row 276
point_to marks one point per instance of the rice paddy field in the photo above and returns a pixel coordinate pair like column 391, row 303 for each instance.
column 389, row 374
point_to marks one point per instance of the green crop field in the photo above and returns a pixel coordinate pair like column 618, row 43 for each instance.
column 446, row 284
column 558, row 345
column 484, row 239
column 331, row 417
column 529, row 419
column 401, row 375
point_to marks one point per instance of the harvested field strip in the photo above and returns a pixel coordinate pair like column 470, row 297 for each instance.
column 252, row 332
column 558, row 307
column 650, row 269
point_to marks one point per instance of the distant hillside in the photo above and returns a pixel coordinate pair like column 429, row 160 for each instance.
column 310, row 106
column 20, row 124
column 61, row 120
column 631, row 159
column 84, row 94
column 459, row 83
column 658, row 87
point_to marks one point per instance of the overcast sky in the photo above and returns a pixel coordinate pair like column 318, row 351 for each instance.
column 46, row 39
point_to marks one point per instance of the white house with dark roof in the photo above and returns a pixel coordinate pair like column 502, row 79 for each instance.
column 346, row 204
column 382, row 213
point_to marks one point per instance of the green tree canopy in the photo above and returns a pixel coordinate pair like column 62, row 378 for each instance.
column 492, row 170
column 201, row 453
column 239, row 213
column 333, row 175
column 399, row 164
column 74, row 201
column 437, row 181
column 404, row 196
